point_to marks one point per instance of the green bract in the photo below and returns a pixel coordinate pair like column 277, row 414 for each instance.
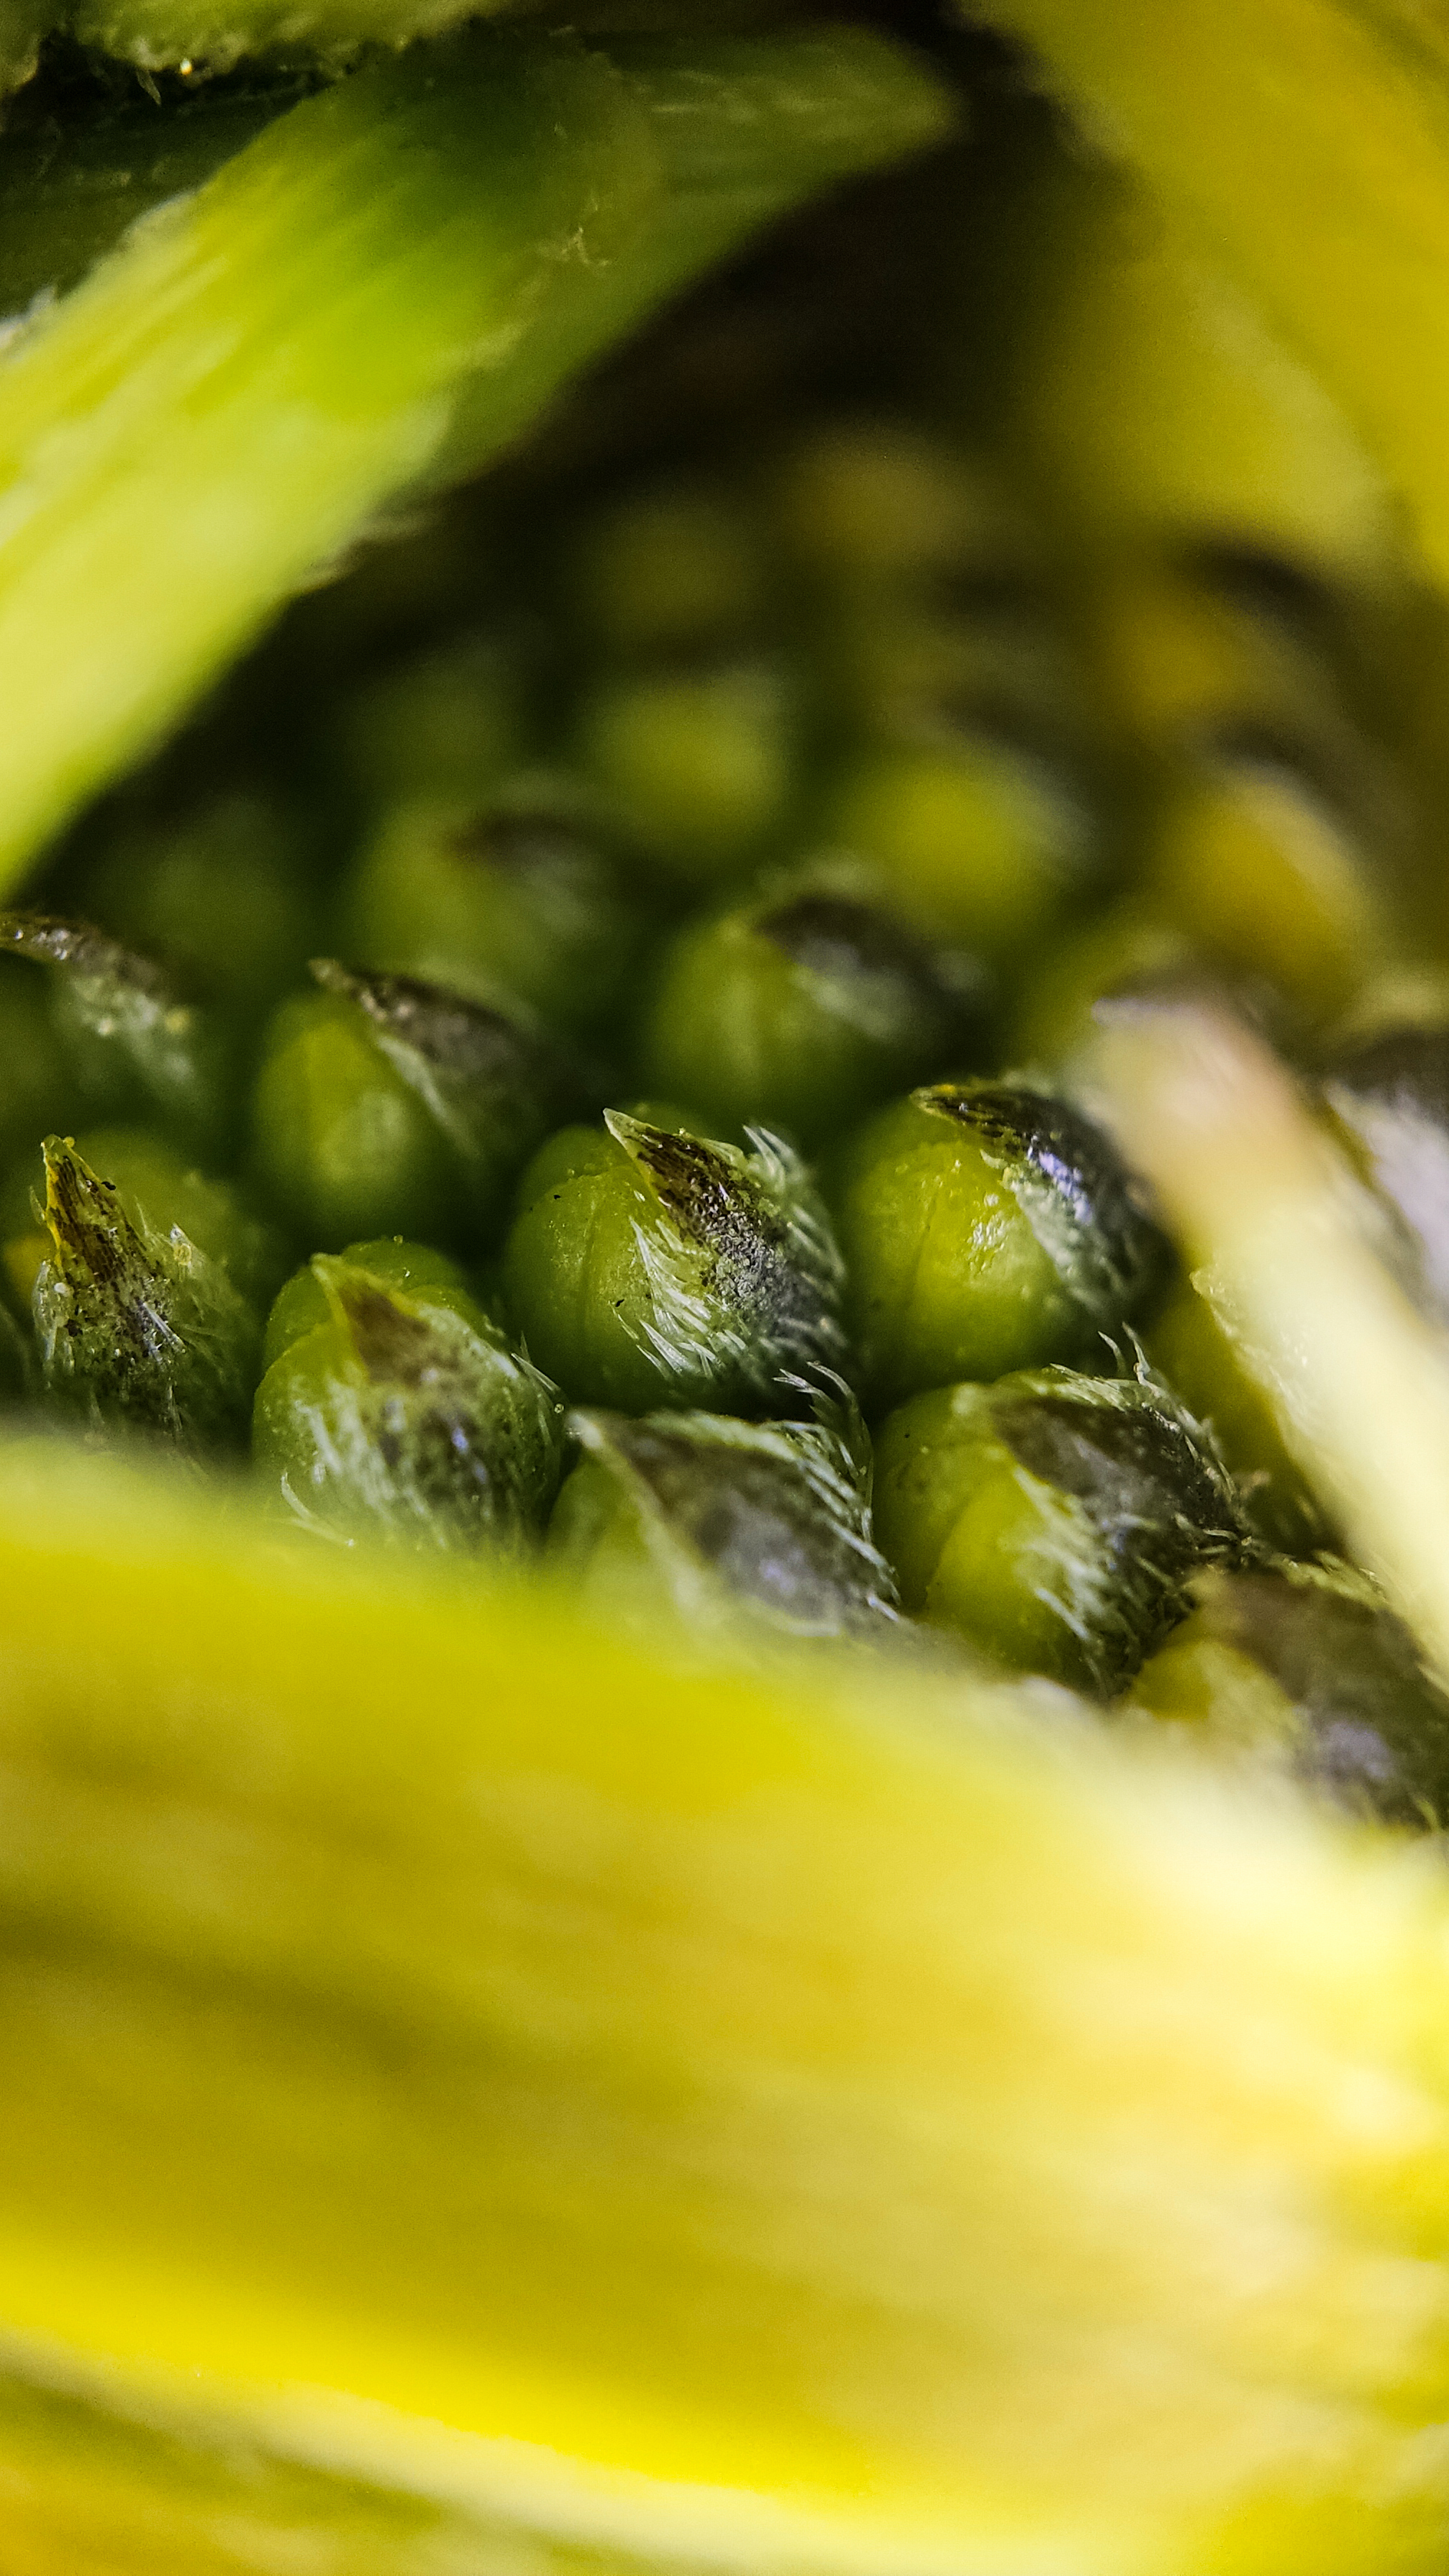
column 801, row 1009
column 1052, row 1519
column 696, row 1512
column 1308, row 1666
column 647, row 1266
column 138, row 1327
column 416, row 1269
column 513, row 899
column 217, row 34
column 387, row 1105
column 128, row 1041
column 1165, row 393
column 985, row 1226
column 393, row 1407
column 159, row 1189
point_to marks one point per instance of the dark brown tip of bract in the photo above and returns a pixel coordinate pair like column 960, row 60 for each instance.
column 394, row 1345
column 85, row 1215
column 449, row 1031
column 834, row 935
column 699, row 1183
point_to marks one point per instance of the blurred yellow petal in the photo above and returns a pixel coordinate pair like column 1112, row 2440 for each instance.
column 1304, row 145
column 766, row 2118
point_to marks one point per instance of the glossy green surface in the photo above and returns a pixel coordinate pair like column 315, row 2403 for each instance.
column 799, row 1011
column 975, row 1241
column 344, row 1144
column 1051, row 1519
column 389, row 1106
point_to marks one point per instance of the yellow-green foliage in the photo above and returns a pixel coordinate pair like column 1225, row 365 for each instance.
column 763, row 2121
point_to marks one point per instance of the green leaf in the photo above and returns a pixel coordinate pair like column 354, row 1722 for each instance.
column 375, row 295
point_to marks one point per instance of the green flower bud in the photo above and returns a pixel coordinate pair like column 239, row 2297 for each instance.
column 928, row 583
column 647, row 1267
column 221, row 893
column 985, row 1227
column 1308, row 1666
column 1052, row 1519
column 1181, row 652
column 386, row 1105
column 130, row 1045
column 1264, row 877
column 702, row 765
column 979, row 842
column 801, row 1010
column 1389, row 1102
column 159, row 1189
column 448, row 724
column 673, row 565
column 515, row 900
column 417, row 1269
column 872, row 503
column 138, row 1328
column 702, row 1513
column 1190, row 1348
column 392, row 1407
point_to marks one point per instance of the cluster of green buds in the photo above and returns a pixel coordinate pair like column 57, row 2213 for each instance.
column 648, row 1028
